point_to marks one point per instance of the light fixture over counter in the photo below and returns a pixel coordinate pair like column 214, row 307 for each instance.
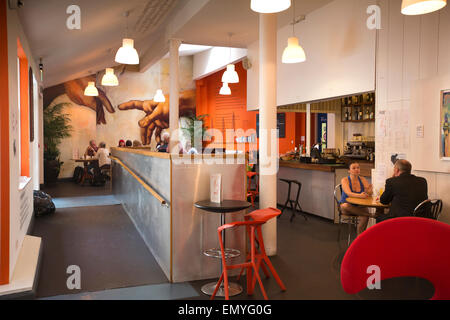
column 418, row 7
column 294, row 53
column 110, row 79
column 270, row 6
column 91, row 90
column 225, row 90
column 127, row 54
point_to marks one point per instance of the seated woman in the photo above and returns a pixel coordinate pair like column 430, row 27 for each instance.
column 121, row 144
column 355, row 186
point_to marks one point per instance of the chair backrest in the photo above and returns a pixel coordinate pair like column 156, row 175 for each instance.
column 338, row 195
column 429, row 209
column 400, row 247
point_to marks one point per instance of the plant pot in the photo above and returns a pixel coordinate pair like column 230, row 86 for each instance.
column 51, row 171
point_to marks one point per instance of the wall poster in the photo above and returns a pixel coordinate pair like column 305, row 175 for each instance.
column 444, row 142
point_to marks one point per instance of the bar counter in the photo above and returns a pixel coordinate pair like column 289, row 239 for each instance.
column 318, row 183
column 158, row 192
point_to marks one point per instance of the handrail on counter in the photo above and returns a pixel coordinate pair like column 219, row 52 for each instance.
column 145, row 185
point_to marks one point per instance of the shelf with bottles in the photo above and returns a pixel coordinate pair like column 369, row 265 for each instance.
column 360, row 108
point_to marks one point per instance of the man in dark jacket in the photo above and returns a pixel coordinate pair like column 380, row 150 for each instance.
column 403, row 191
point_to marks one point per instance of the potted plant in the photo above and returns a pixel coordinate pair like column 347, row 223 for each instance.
column 56, row 127
column 190, row 130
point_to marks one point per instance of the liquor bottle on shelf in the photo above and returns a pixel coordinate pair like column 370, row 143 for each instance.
column 371, row 116
column 367, row 116
column 360, row 114
column 346, row 115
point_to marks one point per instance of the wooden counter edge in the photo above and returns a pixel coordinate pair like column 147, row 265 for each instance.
column 310, row 166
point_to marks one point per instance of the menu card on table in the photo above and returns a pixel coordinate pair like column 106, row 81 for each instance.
column 216, row 188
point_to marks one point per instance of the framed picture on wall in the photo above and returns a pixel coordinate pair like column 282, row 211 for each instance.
column 444, row 129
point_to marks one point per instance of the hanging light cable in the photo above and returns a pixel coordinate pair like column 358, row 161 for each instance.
column 159, row 96
column 417, row 7
column 270, row 6
column 230, row 75
column 294, row 53
column 127, row 54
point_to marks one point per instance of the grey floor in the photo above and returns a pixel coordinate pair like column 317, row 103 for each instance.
column 308, row 261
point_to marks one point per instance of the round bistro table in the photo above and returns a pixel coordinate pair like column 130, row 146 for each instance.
column 226, row 206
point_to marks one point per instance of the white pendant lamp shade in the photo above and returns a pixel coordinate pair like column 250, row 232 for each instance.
column 225, row 90
column 417, row 7
column 270, row 6
column 91, row 90
column 159, row 96
column 293, row 53
column 230, row 76
column 127, row 54
column 110, row 79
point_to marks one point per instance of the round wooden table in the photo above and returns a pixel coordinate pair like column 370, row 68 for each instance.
column 370, row 202
column 223, row 207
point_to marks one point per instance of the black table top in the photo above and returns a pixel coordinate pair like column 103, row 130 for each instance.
column 223, row 207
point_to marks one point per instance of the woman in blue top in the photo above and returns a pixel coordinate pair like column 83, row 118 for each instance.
column 355, row 186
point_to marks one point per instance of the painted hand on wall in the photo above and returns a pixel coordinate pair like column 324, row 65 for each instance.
column 75, row 91
column 157, row 114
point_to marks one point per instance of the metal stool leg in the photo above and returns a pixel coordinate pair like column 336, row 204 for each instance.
column 288, row 198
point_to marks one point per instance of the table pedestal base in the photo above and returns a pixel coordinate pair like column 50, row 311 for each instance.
column 233, row 289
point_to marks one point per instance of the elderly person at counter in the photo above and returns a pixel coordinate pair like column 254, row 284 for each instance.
column 356, row 186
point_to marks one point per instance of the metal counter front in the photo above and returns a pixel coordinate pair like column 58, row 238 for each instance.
column 178, row 233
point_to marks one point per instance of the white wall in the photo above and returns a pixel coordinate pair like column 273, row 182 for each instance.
column 412, row 61
column 210, row 61
column 21, row 201
column 340, row 52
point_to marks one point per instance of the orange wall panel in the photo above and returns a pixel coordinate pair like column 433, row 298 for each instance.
column 230, row 112
column 24, row 113
column 4, row 152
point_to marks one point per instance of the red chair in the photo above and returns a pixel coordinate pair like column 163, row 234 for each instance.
column 252, row 193
column 254, row 221
column 400, row 247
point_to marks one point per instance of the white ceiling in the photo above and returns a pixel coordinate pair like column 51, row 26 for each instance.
column 69, row 54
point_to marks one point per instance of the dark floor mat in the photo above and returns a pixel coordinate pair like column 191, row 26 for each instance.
column 102, row 241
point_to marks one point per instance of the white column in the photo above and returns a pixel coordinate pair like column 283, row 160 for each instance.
column 174, row 93
column 308, row 129
column 268, row 146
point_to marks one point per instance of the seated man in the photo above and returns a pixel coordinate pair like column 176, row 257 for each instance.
column 91, row 149
column 104, row 162
column 163, row 146
column 403, row 191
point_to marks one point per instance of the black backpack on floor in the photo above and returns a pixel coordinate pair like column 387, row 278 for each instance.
column 42, row 204
column 77, row 174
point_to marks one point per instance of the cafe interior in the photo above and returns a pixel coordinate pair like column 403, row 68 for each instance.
column 238, row 149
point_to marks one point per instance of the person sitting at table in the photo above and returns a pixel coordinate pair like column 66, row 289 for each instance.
column 404, row 191
column 136, row 144
column 121, row 144
column 356, row 186
column 128, row 144
column 104, row 162
column 163, row 146
column 91, row 149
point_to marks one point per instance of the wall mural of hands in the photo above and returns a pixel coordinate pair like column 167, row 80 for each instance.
column 75, row 91
column 156, row 117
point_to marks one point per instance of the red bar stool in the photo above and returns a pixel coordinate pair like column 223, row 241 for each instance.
column 253, row 223
column 252, row 193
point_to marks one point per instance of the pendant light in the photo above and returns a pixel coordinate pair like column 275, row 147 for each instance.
column 91, row 90
column 110, row 79
column 294, row 53
column 159, row 96
column 270, row 6
column 230, row 76
column 225, row 90
column 127, row 54
column 417, row 7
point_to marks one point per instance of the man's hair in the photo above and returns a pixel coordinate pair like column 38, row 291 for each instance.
column 102, row 145
column 403, row 166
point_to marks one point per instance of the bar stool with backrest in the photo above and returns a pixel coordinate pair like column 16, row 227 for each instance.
column 349, row 219
column 253, row 222
column 429, row 209
column 252, row 193
column 293, row 203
